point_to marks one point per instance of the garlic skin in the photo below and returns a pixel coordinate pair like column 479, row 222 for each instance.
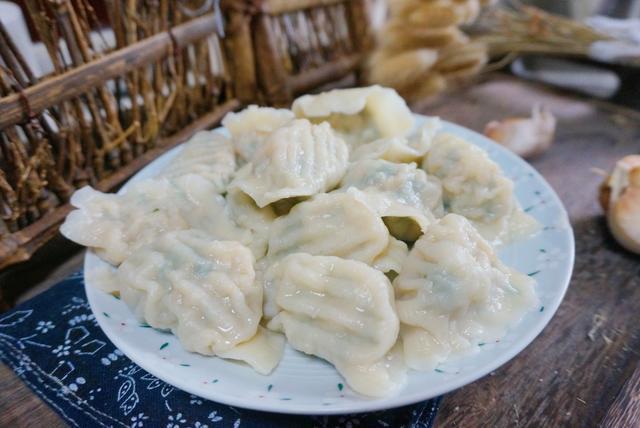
column 620, row 197
column 526, row 137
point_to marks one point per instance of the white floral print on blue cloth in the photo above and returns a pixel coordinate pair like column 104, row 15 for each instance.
column 53, row 343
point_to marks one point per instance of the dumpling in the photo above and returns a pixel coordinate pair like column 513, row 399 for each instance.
column 380, row 379
column 263, row 351
column 208, row 154
column 400, row 149
column 335, row 224
column 453, row 293
column 475, row 187
column 342, row 311
column 246, row 214
column 251, row 126
column 299, row 159
column 405, row 196
column 115, row 225
column 391, row 259
column 202, row 290
column 360, row 115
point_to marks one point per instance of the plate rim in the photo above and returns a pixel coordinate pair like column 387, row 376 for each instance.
column 378, row 404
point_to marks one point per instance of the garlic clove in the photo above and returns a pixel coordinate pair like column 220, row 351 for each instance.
column 527, row 137
column 624, row 220
column 620, row 196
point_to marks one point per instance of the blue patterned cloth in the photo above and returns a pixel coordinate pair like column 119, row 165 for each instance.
column 53, row 343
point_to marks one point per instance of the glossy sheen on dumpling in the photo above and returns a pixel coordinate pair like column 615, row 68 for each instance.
column 391, row 259
column 475, row 187
column 379, row 379
column 340, row 310
column 398, row 191
column 453, row 293
column 115, row 225
column 299, row 159
column 400, row 149
column 201, row 289
column 251, row 126
column 208, row 154
column 335, row 224
column 263, row 351
column 361, row 115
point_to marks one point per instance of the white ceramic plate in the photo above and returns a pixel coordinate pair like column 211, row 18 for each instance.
column 307, row 385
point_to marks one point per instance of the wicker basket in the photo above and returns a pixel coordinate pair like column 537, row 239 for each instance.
column 174, row 69
column 103, row 113
column 296, row 46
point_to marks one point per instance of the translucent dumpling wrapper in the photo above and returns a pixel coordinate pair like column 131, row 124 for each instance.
column 360, row 115
column 453, row 293
column 208, row 154
column 382, row 378
column 299, row 159
column 400, row 149
column 335, row 224
column 391, row 259
column 342, row 311
column 251, row 126
column 263, row 351
column 115, row 225
column 475, row 187
column 246, row 214
column 404, row 195
column 204, row 292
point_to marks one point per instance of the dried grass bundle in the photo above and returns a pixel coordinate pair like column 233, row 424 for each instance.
column 516, row 29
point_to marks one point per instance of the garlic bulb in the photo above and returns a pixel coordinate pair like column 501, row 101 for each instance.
column 527, row 137
column 620, row 198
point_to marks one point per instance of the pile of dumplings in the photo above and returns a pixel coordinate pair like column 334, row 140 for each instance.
column 342, row 226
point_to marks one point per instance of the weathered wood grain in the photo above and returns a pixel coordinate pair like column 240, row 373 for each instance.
column 625, row 410
column 19, row 407
column 310, row 79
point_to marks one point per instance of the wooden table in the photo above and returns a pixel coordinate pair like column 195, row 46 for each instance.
column 584, row 368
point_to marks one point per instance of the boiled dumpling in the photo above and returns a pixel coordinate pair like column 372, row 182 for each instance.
column 475, row 187
column 201, row 289
column 404, row 195
column 299, row 159
column 204, row 291
column 251, row 126
column 115, row 225
column 453, row 293
column 263, row 351
column 400, row 149
column 342, row 311
column 382, row 378
column 208, row 154
column 360, row 115
column 391, row 259
column 335, row 224
column 246, row 214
